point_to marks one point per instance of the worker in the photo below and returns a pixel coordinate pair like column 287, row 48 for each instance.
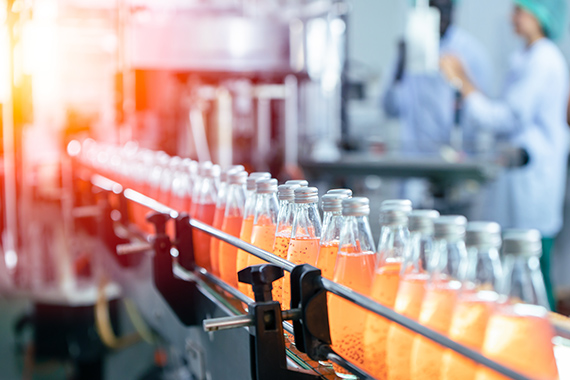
column 531, row 115
column 425, row 102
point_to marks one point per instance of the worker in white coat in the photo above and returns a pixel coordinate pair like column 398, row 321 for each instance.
column 531, row 114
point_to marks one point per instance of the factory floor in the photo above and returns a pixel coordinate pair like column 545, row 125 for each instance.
column 129, row 364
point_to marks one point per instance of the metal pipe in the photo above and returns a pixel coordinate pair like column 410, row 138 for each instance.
column 150, row 203
column 414, row 326
column 227, row 323
column 237, row 242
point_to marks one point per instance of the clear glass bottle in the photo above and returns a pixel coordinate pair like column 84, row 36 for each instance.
column 332, row 225
column 203, row 168
column 219, row 216
column 160, row 164
column 264, row 224
column 411, row 290
column 477, row 300
column 305, row 235
column 519, row 334
column 204, row 208
column 393, row 247
column 447, row 271
column 247, row 224
column 233, row 219
column 355, row 269
column 286, row 196
column 166, row 178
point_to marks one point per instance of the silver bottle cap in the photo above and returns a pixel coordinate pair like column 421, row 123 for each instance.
column 237, row 178
column 422, row 221
column 306, row 195
column 358, row 206
column 300, row 182
column 234, row 168
column 266, row 186
column 333, row 202
column 205, row 168
column 346, row 192
column 526, row 243
column 393, row 215
column 254, row 177
column 404, row 204
column 450, row 227
column 286, row 192
column 483, row 234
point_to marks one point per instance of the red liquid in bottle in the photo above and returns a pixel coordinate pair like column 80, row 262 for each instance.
column 204, row 213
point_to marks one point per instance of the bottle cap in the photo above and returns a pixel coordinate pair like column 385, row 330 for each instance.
column 358, row 206
column 235, row 168
column 205, row 168
column 483, row 234
column 403, row 204
column 333, row 202
column 450, row 227
column 300, row 182
column 254, row 177
column 346, row 192
column 237, row 178
column 266, row 186
column 422, row 221
column 286, row 192
column 393, row 215
column 525, row 243
column 306, row 195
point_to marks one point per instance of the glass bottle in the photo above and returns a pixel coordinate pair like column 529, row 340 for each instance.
column 332, row 225
column 160, row 164
column 203, row 168
column 181, row 187
column 355, row 269
column 219, row 216
column 519, row 334
column 286, row 196
column 392, row 249
column 477, row 300
column 305, row 235
column 411, row 290
column 247, row 224
column 233, row 218
column 264, row 224
column 447, row 269
column 204, row 207
column 166, row 178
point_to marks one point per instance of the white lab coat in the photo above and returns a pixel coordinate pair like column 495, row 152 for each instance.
column 531, row 115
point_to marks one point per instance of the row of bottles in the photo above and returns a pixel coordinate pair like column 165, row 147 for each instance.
column 441, row 271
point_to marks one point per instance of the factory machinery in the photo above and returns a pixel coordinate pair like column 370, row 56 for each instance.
column 219, row 332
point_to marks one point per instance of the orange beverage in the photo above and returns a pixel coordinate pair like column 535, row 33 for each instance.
column 384, row 291
column 241, row 262
column 227, row 252
column 354, row 270
column 520, row 337
column 400, row 340
column 215, row 243
column 204, row 213
column 263, row 237
column 327, row 259
column 302, row 250
column 437, row 311
column 468, row 328
column 280, row 249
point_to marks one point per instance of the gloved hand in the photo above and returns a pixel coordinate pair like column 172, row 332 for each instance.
column 401, row 66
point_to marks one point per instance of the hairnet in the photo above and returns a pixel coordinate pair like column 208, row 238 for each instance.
column 550, row 13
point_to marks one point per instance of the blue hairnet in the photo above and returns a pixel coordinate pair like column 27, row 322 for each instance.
column 550, row 13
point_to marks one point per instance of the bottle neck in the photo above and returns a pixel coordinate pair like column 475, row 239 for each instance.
column 484, row 268
column 524, row 282
column 419, row 254
column 449, row 260
column 208, row 191
column 332, row 226
column 222, row 194
column 307, row 221
column 266, row 209
column 355, row 236
column 394, row 242
column 235, row 200
column 286, row 216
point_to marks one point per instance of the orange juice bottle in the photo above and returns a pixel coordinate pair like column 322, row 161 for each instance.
column 233, row 218
column 447, row 269
column 477, row 299
column 181, row 187
column 305, row 234
column 411, row 290
column 205, row 207
column 286, row 195
column 219, row 216
column 166, row 178
column 264, row 224
column 197, row 186
column 160, row 164
column 392, row 249
column 332, row 224
column 247, row 224
column 518, row 333
column 355, row 269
